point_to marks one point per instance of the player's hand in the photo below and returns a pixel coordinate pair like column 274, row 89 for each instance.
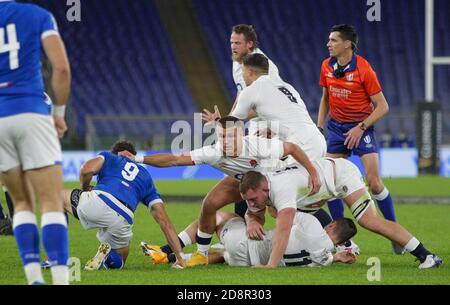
column 255, row 230
column 346, row 257
column 353, row 137
column 127, row 154
column 265, row 133
column 61, row 126
column 209, row 117
column 314, row 183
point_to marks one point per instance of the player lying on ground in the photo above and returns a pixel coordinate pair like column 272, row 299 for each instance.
column 234, row 155
column 110, row 205
column 287, row 190
column 309, row 243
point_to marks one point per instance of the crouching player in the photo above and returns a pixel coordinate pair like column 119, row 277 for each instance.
column 110, row 205
column 309, row 243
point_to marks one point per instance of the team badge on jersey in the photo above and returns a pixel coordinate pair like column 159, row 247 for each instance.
column 253, row 163
column 349, row 77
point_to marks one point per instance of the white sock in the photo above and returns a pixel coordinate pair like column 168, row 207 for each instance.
column 33, row 273
column 203, row 249
column 412, row 244
column 185, row 238
column 381, row 196
column 60, row 275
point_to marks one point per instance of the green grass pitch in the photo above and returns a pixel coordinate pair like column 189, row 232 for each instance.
column 428, row 222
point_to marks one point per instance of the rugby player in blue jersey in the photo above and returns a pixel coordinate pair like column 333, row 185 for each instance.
column 30, row 152
column 110, row 205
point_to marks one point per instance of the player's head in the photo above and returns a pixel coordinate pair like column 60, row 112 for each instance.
column 122, row 145
column 255, row 65
column 254, row 188
column 341, row 230
column 343, row 39
column 230, row 133
column 243, row 41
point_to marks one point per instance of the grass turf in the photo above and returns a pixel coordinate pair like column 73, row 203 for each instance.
column 427, row 222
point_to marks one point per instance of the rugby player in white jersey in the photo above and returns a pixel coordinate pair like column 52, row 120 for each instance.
column 234, row 155
column 287, row 190
column 244, row 41
column 309, row 243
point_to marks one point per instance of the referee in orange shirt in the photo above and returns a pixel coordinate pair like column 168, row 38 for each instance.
column 353, row 99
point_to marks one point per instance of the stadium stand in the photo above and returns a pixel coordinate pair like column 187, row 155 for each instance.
column 123, row 63
column 295, row 39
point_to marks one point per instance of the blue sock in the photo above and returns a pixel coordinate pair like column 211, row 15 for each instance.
column 113, row 261
column 27, row 237
column 55, row 238
column 336, row 208
column 385, row 204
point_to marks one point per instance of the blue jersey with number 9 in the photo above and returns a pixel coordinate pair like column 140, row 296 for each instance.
column 22, row 29
column 127, row 181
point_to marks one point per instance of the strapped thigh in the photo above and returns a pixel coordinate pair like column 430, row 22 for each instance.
column 361, row 206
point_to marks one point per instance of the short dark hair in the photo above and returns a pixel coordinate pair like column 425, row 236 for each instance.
column 258, row 62
column 347, row 32
column 249, row 33
column 251, row 180
column 122, row 145
column 226, row 121
column 345, row 229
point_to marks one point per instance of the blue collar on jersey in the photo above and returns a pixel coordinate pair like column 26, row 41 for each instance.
column 350, row 67
column 6, row 0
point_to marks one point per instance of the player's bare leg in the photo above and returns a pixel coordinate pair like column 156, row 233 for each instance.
column 225, row 192
column 379, row 192
column 47, row 183
column 364, row 211
column 15, row 181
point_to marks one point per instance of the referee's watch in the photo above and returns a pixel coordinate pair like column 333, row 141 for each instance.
column 362, row 126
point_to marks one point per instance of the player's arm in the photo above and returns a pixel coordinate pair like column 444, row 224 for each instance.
column 60, row 80
column 300, row 156
column 161, row 160
column 89, row 170
column 251, row 114
column 255, row 223
column 381, row 108
column 284, row 221
column 159, row 213
column 323, row 109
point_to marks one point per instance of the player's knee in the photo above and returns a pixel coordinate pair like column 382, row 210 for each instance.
column 209, row 206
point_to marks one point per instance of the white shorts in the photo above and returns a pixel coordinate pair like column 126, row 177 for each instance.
column 234, row 238
column 29, row 140
column 348, row 178
column 94, row 213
